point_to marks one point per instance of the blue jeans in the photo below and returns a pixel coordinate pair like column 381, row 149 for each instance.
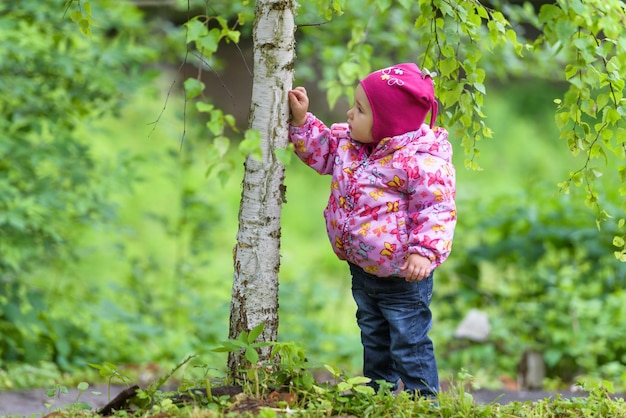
column 394, row 317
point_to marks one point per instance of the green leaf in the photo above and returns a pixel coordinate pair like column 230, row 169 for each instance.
column 620, row 135
column 333, row 93
column 570, row 71
column 233, row 36
column 338, row 7
column 284, row 155
column 333, row 370
column 565, row 28
column 448, row 66
column 221, row 144
column 216, row 123
column 576, row 6
column 452, row 96
column 366, row 390
column 251, row 144
column 608, row 385
column 76, row 16
column 343, row 386
column 348, row 72
column 308, row 380
column 236, row 343
column 230, row 120
column 223, row 349
column 85, row 27
column 255, row 332
column 208, row 44
column 383, row 5
column 550, row 12
column 193, row 88
column 195, row 30
column 480, row 87
column 359, row 380
column 612, row 115
column 204, row 107
column 221, row 169
column 251, row 355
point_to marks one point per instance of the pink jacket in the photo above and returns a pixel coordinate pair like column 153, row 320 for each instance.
column 397, row 201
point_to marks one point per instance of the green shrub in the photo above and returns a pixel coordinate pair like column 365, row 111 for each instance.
column 549, row 281
column 52, row 190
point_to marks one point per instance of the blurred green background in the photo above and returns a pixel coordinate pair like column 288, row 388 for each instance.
column 139, row 271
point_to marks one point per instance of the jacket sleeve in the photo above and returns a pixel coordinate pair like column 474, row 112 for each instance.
column 316, row 144
column 432, row 208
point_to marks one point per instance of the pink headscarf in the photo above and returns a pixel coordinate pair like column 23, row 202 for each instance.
column 400, row 97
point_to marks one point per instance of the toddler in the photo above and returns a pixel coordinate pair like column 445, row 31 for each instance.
column 391, row 214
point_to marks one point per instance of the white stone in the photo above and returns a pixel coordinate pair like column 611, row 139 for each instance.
column 475, row 326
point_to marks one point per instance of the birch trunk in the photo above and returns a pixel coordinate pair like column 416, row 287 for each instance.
column 257, row 251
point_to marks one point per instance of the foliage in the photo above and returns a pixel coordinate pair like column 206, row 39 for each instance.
column 110, row 371
column 47, row 186
column 76, row 406
column 463, row 44
column 51, row 190
column 549, row 282
column 590, row 116
column 203, row 34
column 246, row 343
column 143, row 279
column 345, row 395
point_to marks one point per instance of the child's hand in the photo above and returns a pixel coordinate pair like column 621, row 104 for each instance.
column 299, row 105
column 417, row 268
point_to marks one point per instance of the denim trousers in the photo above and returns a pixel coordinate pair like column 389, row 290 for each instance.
column 394, row 317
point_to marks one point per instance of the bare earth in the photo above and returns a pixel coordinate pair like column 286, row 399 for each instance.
column 35, row 402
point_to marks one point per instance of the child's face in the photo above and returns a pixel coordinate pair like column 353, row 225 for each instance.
column 360, row 117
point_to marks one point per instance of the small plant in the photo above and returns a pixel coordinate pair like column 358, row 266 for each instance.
column 153, row 393
column 246, row 342
column 294, row 369
column 110, row 372
column 59, row 390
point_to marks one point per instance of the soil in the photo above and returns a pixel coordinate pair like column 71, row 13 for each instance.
column 35, row 402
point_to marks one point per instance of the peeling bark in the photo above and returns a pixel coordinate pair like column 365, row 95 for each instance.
column 257, row 252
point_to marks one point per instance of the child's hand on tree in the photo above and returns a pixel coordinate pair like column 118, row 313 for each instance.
column 299, row 105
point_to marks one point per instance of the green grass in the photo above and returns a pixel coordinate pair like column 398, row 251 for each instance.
column 262, row 395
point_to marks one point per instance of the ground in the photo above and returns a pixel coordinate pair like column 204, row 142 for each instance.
column 35, row 402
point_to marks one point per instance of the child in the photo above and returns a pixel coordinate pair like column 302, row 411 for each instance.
column 391, row 214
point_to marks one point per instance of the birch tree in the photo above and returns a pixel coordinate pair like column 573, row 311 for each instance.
column 257, row 251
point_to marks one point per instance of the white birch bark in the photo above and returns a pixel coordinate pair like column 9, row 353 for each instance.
column 257, row 252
